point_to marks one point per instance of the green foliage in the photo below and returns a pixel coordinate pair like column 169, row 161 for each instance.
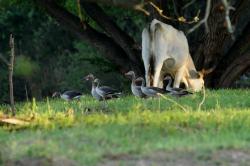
column 130, row 21
column 4, row 85
column 25, row 67
column 52, row 58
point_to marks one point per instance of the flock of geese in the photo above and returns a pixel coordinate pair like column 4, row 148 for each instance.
column 103, row 93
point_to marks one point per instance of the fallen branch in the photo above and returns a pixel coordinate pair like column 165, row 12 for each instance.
column 13, row 121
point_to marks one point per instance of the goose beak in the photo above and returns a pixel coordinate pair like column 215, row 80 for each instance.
column 85, row 78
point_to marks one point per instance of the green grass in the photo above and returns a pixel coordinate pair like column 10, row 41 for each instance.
column 84, row 132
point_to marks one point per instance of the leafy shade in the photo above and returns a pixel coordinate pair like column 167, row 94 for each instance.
column 25, row 66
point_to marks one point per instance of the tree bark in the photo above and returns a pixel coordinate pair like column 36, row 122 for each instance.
column 234, row 70
column 236, row 63
column 104, row 44
column 217, row 44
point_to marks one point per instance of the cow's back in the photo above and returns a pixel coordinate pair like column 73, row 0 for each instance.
column 169, row 44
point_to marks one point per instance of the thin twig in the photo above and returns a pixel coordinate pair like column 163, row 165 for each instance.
column 139, row 7
column 203, row 99
column 166, row 98
column 160, row 11
column 204, row 20
column 175, row 9
column 188, row 4
column 179, row 19
column 11, row 66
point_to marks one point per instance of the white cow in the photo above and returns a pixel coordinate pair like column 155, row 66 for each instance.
column 165, row 51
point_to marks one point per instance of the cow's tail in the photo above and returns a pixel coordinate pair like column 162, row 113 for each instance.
column 154, row 27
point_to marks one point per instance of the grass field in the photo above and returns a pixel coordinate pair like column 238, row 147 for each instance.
column 131, row 131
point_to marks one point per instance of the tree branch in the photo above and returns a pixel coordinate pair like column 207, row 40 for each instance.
column 119, row 36
column 188, row 4
column 175, row 8
column 234, row 70
column 179, row 19
column 217, row 43
column 227, row 18
column 204, row 20
column 99, row 40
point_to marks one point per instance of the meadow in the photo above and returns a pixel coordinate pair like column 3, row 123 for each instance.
column 131, row 131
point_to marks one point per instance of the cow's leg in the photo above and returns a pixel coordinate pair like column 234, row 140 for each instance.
column 158, row 67
column 179, row 76
column 146, row 47
column 147, row 74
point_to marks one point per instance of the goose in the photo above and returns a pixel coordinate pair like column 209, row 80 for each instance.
column 68, row 95
column 150, row 91
column 105, row 91
column 136, row 90
column 177, row 92
column 91, row 77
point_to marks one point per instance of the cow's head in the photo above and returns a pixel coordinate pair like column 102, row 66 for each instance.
column 196, row 79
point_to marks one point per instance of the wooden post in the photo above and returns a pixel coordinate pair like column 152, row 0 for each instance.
column 11, row 66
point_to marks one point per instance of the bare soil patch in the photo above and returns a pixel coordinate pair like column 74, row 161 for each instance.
column 41, row 161
column 181, row 158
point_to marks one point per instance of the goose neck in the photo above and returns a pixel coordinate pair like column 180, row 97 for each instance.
column 169, row 84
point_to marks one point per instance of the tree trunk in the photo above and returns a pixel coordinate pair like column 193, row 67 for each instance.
column 234, row 70
column 128, row 44
column 238, row 61
column 217, row 44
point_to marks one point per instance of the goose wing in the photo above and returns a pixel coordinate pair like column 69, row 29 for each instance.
column 156, row 90
column 72, row 93
column 108, row 90
column 180, row 93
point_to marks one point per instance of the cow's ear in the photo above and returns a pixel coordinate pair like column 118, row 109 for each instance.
column 194, row 74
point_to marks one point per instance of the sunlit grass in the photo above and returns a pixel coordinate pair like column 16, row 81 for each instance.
column 85, row 131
